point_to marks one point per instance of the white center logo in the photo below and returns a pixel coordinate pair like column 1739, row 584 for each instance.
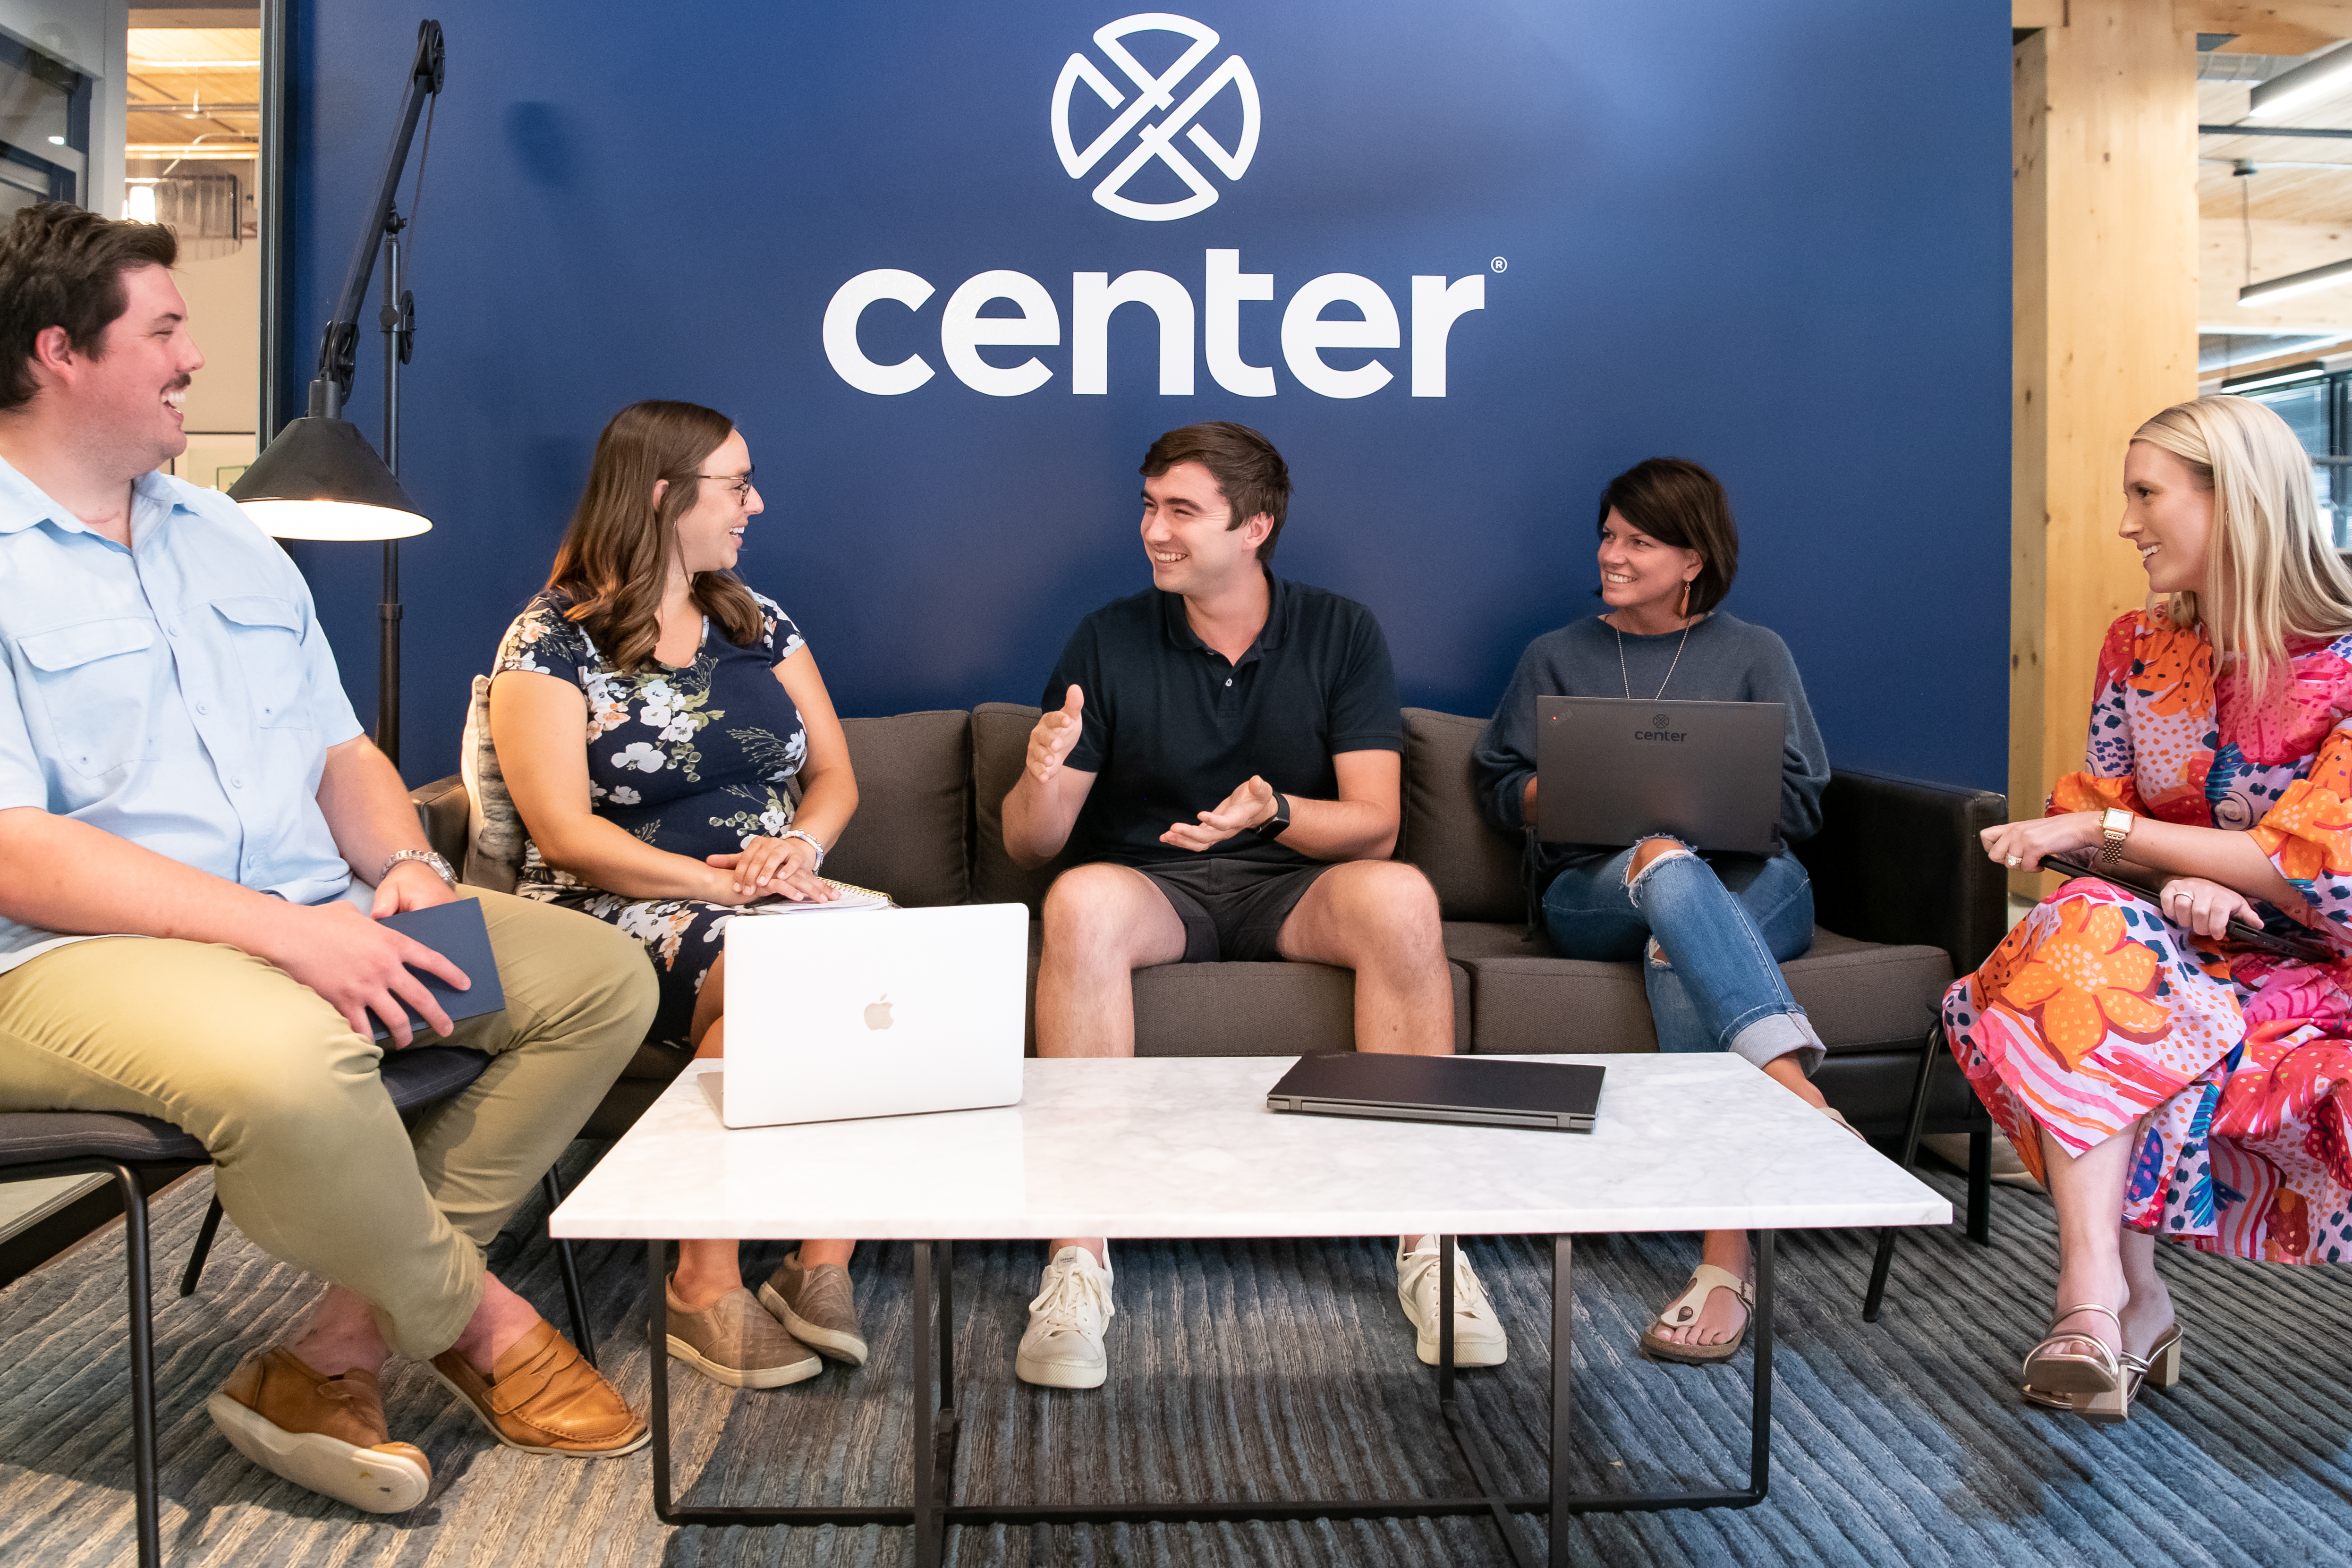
column 1156, row 140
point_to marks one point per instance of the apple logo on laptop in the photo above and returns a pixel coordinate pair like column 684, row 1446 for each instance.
column 877, row 1013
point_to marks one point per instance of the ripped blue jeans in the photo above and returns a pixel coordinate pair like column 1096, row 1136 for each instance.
column 1726, row 925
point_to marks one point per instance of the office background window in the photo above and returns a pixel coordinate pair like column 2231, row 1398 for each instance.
column 2317, row 406
column 43, row 128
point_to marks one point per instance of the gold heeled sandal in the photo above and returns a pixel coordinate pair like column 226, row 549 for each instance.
column 2049, row 1371
column 2160, row 1368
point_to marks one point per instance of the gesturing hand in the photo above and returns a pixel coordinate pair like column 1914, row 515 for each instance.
column 1056, row 734
column 361, row 967
column 1245, row 808
column 2205, row 907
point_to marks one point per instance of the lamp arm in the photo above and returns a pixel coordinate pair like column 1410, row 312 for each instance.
column 339, row 347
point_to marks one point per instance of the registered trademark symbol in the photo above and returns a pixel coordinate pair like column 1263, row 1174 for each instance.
column 1499, row 265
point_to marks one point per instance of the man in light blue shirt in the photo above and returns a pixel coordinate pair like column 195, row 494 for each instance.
column 186, row 796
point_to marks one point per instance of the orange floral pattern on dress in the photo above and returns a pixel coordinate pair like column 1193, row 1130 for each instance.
column 2087, row 976
column 2175, row 668
column 2229, row 1069
column 2089, row 793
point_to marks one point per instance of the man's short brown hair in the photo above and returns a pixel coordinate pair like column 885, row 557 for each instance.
column 1678, row 503
column 62, row 266
column 1249, row 472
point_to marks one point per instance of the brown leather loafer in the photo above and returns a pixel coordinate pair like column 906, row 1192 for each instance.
column 543, row 1398
column 324, row 1433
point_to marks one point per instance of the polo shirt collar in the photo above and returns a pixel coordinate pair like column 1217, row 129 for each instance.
column 1177, row 627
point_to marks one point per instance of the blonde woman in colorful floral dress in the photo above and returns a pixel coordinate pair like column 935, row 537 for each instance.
column 705, row 717
column 2162, row 1079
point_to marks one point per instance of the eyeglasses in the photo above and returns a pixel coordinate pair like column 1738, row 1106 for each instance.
column 739, row 483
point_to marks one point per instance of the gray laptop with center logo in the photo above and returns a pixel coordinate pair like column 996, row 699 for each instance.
column 1615, row 772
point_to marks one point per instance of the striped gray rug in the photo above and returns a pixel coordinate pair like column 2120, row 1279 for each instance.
column 1262, row 1368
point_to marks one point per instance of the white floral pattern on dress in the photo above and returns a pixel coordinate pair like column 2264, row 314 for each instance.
column 676, row 769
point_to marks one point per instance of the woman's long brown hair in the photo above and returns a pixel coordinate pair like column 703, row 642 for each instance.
column 615, row 556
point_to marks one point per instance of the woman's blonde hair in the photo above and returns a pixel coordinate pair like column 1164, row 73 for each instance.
column 2273, row 567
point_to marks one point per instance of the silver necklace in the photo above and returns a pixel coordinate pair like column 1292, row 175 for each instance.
column 1627, row 679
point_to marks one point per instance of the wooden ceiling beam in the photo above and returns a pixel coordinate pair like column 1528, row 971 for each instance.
column 2266, row 26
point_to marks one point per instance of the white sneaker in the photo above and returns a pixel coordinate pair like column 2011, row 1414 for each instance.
column 1064, row 1346
column 1478, row 1337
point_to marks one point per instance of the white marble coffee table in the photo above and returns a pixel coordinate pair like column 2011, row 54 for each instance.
column 1184, row 1146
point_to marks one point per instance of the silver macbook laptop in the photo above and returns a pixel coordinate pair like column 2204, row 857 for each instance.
column 1615, row 772
column 874, row 1013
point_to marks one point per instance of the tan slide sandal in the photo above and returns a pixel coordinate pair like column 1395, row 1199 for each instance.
column 1684, row 1309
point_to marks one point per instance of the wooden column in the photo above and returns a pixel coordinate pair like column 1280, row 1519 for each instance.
column 2105, row 170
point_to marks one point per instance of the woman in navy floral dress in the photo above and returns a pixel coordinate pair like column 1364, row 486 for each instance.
column 715, row 772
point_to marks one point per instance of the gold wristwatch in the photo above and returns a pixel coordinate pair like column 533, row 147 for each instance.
column 2115, row 827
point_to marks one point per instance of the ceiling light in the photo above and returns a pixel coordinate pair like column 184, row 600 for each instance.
column 2314, row 78
column 2307, row 370
column 139, row 206
column 56, row 141
column 2327, row 277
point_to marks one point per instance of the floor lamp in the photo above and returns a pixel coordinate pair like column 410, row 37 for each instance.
column 319, row 479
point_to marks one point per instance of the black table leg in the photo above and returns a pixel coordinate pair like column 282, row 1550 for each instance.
column 1759, row 1435
column 934, row 1510
column 1466, row 1436
column 665, row 1508
column 658, row 1343
column 928, row 1528
column 1563, row 1315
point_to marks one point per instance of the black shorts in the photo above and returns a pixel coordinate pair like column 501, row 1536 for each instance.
column 1232, row 909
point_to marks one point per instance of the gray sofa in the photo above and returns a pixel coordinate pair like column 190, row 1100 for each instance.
column 1904, row 896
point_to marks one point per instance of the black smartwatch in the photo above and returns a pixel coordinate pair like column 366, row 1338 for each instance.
column 1274, row 827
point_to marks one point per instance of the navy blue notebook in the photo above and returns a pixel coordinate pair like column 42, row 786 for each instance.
column 455, row 931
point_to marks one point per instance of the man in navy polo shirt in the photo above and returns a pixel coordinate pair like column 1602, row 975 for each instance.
column 1226, row 754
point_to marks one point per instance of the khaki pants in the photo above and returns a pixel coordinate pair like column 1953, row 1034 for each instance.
column 313, row 1162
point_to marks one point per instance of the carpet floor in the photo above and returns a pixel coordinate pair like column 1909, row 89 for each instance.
column 1258, row 1369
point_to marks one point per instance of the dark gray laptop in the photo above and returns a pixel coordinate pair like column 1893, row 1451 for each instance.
column 1551, row 1096
column 1616, row 771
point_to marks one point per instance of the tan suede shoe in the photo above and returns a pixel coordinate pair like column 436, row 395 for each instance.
column 816, row 1306
column 543, row 1398
column 324, row 1433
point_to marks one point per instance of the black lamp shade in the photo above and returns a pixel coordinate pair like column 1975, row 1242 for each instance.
column 321, row 480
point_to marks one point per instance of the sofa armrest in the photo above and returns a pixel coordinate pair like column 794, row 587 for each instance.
column 443, row 810
column 1898, row 861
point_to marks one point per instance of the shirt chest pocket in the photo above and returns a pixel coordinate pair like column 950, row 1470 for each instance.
column 266, row 633
column 97, row 684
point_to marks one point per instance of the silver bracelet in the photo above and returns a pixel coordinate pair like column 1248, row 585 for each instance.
column 809, row 838
column 440, row 867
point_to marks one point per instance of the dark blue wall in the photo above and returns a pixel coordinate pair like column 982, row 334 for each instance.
column 1772, row 238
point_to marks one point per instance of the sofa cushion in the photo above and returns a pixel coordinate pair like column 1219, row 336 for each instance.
column 1864, row 995
column 1861, row 996
column 1000, row 746
column 1244, row 1010
column 914, row 808
column 494, row 831
column 1474, row 869
column 1467, row 939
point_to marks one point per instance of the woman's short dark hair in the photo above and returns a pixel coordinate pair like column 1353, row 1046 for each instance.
column 62, row 266
column 1678, row 503
column 1249, row 472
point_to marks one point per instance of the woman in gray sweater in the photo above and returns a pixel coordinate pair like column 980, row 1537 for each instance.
column 1713, row 929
